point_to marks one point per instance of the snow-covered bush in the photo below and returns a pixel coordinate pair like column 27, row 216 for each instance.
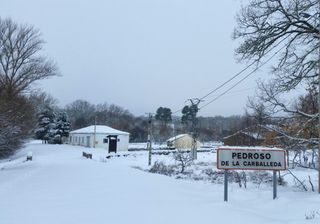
column 213, row 175
column 259, row 177
column 162, row 168
column 312, row 215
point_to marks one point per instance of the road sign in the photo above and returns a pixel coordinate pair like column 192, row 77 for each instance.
column 250, row 158
column 232, row 158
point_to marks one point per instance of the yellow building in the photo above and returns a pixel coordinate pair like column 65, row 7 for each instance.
column 182, row 141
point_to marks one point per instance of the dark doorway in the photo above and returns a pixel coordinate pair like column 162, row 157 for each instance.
column 113, row 139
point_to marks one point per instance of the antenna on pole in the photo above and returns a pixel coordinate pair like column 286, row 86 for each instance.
column 193, row 110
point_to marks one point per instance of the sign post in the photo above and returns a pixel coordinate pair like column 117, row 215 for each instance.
column 246, row 158
column 226, row 185
column 274, row 184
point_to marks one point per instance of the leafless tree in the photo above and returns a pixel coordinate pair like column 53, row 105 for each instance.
column 292, row 29
column 184, row 159
column 41, row 100
column 266, row 25
column 20, row 61
column 20, row 66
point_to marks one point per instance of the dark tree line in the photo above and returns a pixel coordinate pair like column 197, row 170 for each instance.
column 83, row 113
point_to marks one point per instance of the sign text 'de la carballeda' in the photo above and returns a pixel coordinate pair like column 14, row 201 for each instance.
column 252, row 159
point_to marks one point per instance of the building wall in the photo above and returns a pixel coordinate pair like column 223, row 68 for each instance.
column 86, row 140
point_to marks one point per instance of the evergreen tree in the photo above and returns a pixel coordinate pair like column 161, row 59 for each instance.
column 189, row 114
column 163, row 114
column 46, row 124
column 61, row 128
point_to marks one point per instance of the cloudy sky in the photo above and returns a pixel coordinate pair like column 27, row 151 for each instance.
column 139, row 54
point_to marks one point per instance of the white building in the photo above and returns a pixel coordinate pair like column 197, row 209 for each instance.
column 108, row 138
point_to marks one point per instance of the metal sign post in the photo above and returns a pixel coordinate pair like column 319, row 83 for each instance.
column 226, row 185
column 246, row 158
column 274, row 184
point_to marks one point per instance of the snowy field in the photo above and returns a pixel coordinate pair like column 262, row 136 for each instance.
column 61, row 187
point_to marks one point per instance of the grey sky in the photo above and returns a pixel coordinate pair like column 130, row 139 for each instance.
column 138, row 54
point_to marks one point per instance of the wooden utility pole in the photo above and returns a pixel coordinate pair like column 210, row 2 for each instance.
column 149, row 138
column 194, row 110
column 94, row 132
column 319, row 100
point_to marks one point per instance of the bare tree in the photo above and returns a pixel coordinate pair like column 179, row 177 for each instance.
column 41, row 100
column 184, row 159
column 81, row 113
column 291, row 27
column 20, row 62
column 265, row 25
column 20, row 66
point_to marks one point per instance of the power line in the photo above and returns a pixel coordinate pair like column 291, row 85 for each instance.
column 234, row 93
column 243, row 70
column 239, row 73
column 241, row 80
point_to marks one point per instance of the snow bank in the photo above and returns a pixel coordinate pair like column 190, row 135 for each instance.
column 60, row 186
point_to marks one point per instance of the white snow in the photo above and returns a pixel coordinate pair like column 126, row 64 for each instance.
column 176, row 137
column 100, row 129
column 61, row 187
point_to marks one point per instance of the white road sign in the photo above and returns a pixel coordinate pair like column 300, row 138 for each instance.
column 251, row 159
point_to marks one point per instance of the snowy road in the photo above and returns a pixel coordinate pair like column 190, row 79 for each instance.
column 60, row 187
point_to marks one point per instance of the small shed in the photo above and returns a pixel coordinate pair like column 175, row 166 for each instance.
column 182, row 141
column 111, row 139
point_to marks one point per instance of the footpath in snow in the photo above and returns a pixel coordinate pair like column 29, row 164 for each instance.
column 61, row 187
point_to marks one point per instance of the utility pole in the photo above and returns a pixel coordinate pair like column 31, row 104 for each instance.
column 194, row 110
column 94, row 131
column 319, row 98
column 149, row 138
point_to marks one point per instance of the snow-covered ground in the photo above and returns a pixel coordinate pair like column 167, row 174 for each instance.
column 61, row 187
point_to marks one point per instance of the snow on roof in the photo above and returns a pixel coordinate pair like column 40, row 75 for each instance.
column 254, row 135
column 257, row 148
column 100, row 129
column 176, row 137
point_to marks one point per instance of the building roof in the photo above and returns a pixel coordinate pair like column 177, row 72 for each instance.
column 257, row 148
column 176, row 137
column 100, row 129
column 253, row 134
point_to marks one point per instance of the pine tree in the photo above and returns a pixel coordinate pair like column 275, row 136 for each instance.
column 61, row 128
column 45, row 124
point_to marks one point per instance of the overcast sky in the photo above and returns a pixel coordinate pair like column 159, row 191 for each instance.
column 139, row 54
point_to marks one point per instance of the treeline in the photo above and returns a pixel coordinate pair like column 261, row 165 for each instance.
column 82, row 113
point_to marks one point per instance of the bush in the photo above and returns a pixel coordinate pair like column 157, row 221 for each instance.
column 259, row 177
column 161, row 168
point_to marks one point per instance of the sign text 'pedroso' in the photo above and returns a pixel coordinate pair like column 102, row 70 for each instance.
column 252, row 159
